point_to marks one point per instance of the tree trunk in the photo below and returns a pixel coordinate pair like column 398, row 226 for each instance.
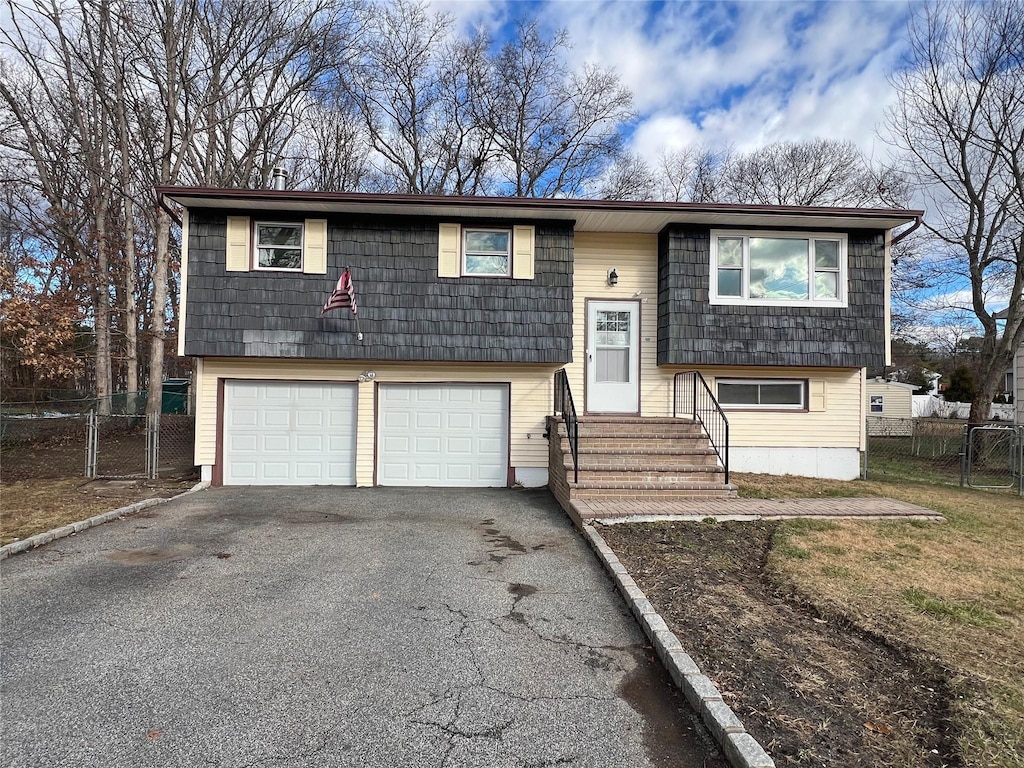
column 131, row 309
column 158, row 318
column 102, row 313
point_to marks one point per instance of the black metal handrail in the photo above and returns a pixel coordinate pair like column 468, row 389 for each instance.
column 566, row 408
column 693, row 395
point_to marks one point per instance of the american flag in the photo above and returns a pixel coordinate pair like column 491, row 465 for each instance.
column 343, row 295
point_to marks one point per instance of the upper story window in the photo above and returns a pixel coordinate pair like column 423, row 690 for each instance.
column 487, row 252
column 771, row 268
column 278, row 245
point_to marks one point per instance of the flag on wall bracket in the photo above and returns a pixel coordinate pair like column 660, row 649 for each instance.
column 344, row 296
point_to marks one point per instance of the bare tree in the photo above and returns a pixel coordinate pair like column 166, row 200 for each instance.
column 555, row 129
column 629, row 177
column 397, row 83
column 816, row 172
column 959, row 121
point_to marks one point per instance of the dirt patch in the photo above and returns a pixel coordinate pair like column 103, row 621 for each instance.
column 35, row 506
column 814, row 690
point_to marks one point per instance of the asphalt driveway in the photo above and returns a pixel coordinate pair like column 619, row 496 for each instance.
column 331, row 627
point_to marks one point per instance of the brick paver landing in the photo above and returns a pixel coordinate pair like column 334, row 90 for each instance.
column 748, row 509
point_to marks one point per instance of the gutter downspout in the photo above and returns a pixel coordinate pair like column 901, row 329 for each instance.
column 918, row 221
column 163, row 204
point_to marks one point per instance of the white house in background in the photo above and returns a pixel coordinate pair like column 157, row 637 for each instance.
column 891, row 399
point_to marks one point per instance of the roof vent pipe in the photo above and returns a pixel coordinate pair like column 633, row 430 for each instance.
column 279, row 179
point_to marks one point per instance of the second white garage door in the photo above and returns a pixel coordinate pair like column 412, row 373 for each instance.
column 453, row 435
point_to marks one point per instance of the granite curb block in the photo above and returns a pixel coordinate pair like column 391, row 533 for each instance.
column 740, row 748
column 46, row 537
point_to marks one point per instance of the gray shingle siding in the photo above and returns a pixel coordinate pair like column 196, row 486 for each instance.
column 693, row 332
column 406, row 312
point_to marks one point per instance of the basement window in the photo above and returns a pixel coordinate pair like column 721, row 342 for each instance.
column 767, row 394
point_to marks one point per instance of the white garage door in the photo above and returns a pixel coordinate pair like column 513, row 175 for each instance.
column 452, row 435
column 289, row 433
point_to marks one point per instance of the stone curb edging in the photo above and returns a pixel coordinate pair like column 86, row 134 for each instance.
column 46, row 537
column 740, row 748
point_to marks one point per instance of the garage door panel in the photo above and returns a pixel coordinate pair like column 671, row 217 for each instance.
column 289, row 433
column 243, row 417
column 459, row 421
column 428, row 420
column 443, row 434
column 275, row 443
column 396, row 420
column 459, row 445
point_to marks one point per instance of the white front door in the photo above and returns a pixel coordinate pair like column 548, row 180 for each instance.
column 613, row 357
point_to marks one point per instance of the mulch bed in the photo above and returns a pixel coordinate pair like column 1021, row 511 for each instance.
column 813, row 690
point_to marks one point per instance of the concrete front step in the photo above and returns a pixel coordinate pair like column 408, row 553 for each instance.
column 640, row 459
column 679, row 476
column 638, row 444
column 617, row 430
column 587, row 491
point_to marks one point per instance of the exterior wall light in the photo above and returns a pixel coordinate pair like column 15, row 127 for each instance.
column 366, row 376
column 613, row 276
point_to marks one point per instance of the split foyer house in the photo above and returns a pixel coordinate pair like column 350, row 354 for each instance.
column 475, row 313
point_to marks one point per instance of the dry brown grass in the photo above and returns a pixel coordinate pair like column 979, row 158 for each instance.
column 953, row 590
column 34, row 506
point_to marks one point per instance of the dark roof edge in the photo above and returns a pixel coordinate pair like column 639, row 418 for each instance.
column 538, row 203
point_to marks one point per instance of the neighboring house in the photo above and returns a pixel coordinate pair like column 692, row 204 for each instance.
column 891, row 399
column 468, row 307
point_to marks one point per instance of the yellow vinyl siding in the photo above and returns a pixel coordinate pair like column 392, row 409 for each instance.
column 839, row 426
column 836, row 412
column 530, row 399
column 635, row 258
column 897, row 402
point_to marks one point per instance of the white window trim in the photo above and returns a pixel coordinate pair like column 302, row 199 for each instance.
column 803, row 406
column 880, row 403
column 462, row 247
column 714, row 298
column 256, row 245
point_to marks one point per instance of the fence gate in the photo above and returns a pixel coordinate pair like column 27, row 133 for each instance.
column 122, row 447
column 993, row 457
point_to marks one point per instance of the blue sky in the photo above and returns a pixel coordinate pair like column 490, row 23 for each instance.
column 743, row 74
column 723, row 73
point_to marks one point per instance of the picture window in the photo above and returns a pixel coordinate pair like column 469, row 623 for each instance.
column 766, row 268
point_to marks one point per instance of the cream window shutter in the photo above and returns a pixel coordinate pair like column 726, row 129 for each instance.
column 522, row 253
column 449, row 250
column 314, row 251
column 239, row 254
column 817, row 399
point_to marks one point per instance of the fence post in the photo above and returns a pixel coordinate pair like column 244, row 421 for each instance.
column 91, row 443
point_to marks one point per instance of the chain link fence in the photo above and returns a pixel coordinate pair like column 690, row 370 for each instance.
column 923, row 450
column 62, row 445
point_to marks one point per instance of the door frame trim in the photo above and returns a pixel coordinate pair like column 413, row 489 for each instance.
column 586, row 362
